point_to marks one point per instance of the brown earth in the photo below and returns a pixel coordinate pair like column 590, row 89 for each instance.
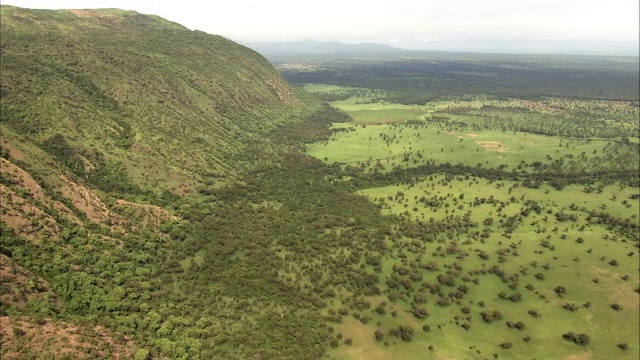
column 23, row 204
column 492, row 145
column 619, row 293
column 579, row 356
column 85, row 200
column 14, row 151
column 143, row 216
column 24, row 218
column 19, row 286
column 22, row 337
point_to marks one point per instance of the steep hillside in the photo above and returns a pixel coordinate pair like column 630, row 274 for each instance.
column 116, row 129
column 136, row 96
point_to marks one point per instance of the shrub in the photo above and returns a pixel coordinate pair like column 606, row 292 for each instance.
column 491, row 316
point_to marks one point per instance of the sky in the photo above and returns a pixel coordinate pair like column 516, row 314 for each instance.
column 389, row 21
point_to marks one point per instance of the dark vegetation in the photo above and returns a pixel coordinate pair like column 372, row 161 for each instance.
column 420, row 77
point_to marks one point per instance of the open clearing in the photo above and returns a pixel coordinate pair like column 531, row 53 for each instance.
column 525, row 244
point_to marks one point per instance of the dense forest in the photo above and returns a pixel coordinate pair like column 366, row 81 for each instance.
column 419, row 77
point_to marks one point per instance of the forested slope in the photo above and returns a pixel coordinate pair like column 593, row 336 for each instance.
column 122, row 92
column 120, row 135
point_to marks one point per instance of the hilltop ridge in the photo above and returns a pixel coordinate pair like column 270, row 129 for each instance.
column 136, row 88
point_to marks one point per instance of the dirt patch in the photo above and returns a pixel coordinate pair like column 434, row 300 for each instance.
column 20, row 286
column 471, row 135
column 282, row 91
column 492, row 146
column 136, row 148
column 579, row 356
column 24, row 204
column 622, row 294
column 21, row 178
column 85, row 200
column 14, row 152
column 143, row 216
column 150, row 209
column 91, row 14
column 23, row 337
column 24, row 218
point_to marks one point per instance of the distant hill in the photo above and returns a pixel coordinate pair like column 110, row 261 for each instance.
column 268, row 48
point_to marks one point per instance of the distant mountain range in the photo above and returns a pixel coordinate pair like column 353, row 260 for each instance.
column 519, row 46
column 318, row 47
column 313, row 47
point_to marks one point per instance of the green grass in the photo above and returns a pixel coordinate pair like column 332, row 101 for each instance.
column 576, row 254
column 385, row 116
column 611, row 200
column 389, row 144
column 570, row 266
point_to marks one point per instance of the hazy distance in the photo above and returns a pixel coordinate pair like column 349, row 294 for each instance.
column 526, row 26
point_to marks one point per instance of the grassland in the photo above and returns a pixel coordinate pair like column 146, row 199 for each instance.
column 579, row 258
column 413, row 145
column 522, row 243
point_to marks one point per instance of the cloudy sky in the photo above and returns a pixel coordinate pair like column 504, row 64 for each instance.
column 388, row 21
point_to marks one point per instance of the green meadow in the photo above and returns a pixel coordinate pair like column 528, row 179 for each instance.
column 557, row 264
column 408, row 145
column 577, row 255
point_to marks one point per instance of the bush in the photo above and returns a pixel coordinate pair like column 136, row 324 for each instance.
column 506, row 345
column 379, row 335
column 406, row 332
column 420, row 312
column 491, row 316
column 580, row 339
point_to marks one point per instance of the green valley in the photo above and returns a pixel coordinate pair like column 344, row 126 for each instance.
column 167, row 194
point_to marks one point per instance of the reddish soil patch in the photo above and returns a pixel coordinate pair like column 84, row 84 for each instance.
column 20, row 286
column 23, row 337
column 24, row 218
column 579, row 356
column 492, row 146
column 91, row 13
column 143, row 216
column 14, row 152
column 85, row 200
